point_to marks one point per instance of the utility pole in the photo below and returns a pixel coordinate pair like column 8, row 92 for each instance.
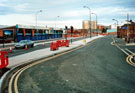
column 96, row 22
column 71, row 32
column 36, row 21
column 66, row 28
column 90, row 18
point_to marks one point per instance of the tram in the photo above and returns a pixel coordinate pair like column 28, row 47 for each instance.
column 22, row 32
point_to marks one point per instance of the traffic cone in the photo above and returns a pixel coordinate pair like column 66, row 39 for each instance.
column 26, row 48
column 43, row 44
column 10, row 50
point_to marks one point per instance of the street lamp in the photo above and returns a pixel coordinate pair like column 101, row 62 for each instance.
column 116, row 21
column 56, row 20
column 117, row 25
column 96, row 22
column 90, row 18
column 37, row 14
column 36, row 21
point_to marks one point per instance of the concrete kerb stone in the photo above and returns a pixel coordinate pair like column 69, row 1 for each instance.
column 33, row 60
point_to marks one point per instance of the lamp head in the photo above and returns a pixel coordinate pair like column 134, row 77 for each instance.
column 40, row 11
column 84, row 6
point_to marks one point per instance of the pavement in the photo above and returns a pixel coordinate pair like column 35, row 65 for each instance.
column 38, row 54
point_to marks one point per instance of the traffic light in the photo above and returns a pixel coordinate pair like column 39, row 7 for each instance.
column 66, row 27
column 72, row 29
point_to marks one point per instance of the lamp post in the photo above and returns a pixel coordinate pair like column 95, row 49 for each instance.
column 90, row 18
column 116, row 21
column 96, row 22
column 36, row 21
column 117, row 25
column 56, row 20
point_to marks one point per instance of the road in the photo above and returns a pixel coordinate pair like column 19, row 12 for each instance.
column 96, row 68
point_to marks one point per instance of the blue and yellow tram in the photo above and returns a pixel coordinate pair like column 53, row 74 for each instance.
column 23, row 32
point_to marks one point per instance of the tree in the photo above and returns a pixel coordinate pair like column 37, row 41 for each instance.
column 104, row 30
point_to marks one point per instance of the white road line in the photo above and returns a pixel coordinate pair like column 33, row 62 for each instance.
column 123, row 50
column 130, row 51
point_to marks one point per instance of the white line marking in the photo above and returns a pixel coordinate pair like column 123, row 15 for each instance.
column 122, row 50
column 130, row 51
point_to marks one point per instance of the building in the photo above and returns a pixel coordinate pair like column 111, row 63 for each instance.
column 86, row 25
column 23, row 32
column 100, row 27
column 126, row 31
column 78, row 32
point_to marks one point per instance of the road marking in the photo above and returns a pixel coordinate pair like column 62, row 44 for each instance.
column 129, row 60
column 20, row 71
column 112, row 43
column 130, row 51
column 122, row 50
column 130, row 56
column 11, row 80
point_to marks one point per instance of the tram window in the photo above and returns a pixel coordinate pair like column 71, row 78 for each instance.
column 28, row 31
column 40, row 31
column 8, row 33
column 35, row 31
column 20, row 31
column 44, row 31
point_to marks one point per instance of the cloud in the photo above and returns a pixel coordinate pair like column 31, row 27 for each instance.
column 21, row 7
column 1, row 5
column 13, row 19
column 23, row 19
column 61, row 24
column 71, row 12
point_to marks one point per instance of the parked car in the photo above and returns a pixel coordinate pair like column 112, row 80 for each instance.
column 22, row 44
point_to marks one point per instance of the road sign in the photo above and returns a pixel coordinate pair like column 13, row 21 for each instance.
column 124, row 27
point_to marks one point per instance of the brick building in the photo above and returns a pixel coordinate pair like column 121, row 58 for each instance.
column 127, row 31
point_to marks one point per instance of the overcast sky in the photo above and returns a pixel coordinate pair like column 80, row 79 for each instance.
column 71, row 12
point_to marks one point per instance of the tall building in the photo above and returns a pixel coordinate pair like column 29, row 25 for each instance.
column 86, row 24
column 93, row 25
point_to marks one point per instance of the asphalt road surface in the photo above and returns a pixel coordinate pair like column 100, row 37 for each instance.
column 96, row 68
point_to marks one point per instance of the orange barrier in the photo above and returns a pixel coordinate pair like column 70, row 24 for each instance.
column 54, row 46
column 43, row 45
column 10, row 50
column 65, row 43
column 26, row 47
column 4, row 59
column 59, row 43
column 104, row 34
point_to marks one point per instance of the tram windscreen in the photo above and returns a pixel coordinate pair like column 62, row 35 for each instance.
column 8, row 33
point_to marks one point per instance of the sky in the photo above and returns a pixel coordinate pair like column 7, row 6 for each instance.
column 58, row 13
